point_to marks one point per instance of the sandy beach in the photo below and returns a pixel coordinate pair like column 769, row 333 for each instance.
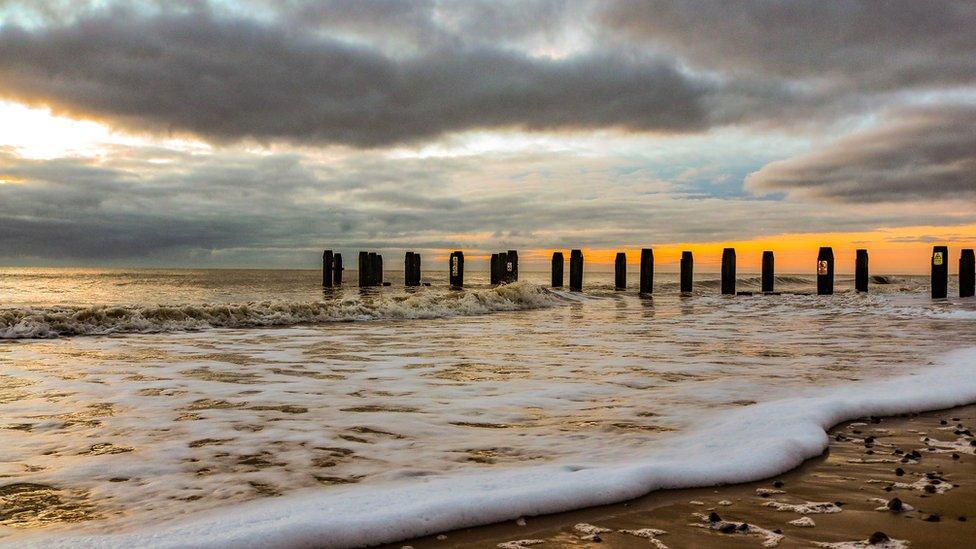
column 845, row 496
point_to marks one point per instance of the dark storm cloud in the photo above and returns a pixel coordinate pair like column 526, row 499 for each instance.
column 873, row 45
column 919, row 154
column 386, row 72
column 229, row 78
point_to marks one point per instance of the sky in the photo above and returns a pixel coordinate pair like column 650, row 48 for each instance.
column 255, row 133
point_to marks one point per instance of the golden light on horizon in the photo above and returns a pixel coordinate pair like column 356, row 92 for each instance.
column 892, row 251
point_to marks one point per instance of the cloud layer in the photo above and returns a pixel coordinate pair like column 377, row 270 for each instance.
column 379, row 73
column 229, row 78
column 916, row 155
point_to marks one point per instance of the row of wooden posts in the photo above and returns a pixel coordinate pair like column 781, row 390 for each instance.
column 504, row 270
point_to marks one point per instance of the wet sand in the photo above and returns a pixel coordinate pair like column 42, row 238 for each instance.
column 926, row 461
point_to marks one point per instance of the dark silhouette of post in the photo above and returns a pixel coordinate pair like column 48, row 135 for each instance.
column 328, row 263
column 337, row 269
column 768, row 272
column 576, row 270
column 940, row 272
column 647, row 271
column 861, row 271
column 495, row 270
column 364, row 278
column 967, row 273
column 371, row 269
column 825, row 271
column 378, row 271
column 687, row 271
column 557, row 269
column 511, row 267
column 620, row 271
column 728, row 271
column 410, row 273
column 503, row 267
column 456, row 266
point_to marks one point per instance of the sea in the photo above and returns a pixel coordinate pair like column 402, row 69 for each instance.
column 254, row 408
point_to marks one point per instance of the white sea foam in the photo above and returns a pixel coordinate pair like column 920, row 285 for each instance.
column 737, row 445
column 50, row 322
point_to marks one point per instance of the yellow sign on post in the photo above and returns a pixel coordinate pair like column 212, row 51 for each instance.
column 937, row 258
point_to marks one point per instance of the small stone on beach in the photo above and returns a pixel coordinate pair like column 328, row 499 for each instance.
column 878, row 537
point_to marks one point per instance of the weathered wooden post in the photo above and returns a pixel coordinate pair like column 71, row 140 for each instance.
column 940, row 272
column 620, row 271
column 511, row 267
column 647, row 271
column 768, row 272
column 371, row 269
column 728, row 271
column 456, row 266
column 861, row 271
column 495, row 270
column 379, row 270
column 967, row 273
column 408, row 270
column 576, row 270
column 557, row 269
column 825, row 271
column 687, row 271
column 337, row 269
column 502, row 267
column 364, row 278
column 327, row 265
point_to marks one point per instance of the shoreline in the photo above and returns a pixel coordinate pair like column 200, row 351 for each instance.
column 857, row 478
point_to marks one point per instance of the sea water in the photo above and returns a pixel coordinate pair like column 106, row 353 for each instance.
column 255, row 408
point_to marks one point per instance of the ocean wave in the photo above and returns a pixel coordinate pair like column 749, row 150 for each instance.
column 36, row 323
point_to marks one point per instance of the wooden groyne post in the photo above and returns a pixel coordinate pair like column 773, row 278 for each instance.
column 363, row 269
column 940, row 272
column 620, row 271
column 495, row 269
column 687, row 271
column 456, row 266
column 861, row 271
column 558, row 263
column 967, row 273
column 411, row 269
column 576, row 270
column 511, row 266
column 768, row 272
column 408, row 269
column 728, row 271
column 337, row 269
column 328, row 263
column 825, row 271
column 647, row 271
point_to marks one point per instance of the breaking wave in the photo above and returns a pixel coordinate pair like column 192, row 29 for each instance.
column 32, row 323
